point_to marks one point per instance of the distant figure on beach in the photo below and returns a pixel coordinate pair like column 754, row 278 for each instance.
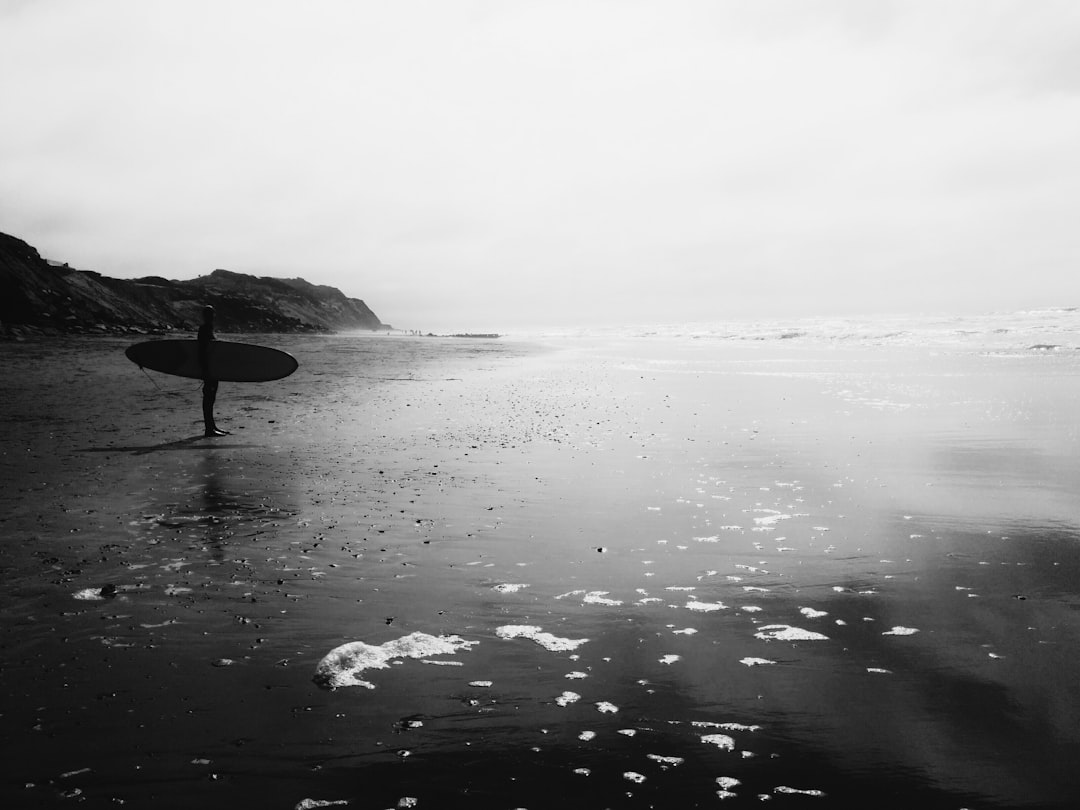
column 209, row 391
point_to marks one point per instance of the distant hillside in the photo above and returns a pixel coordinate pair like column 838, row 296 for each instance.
column 38, row 297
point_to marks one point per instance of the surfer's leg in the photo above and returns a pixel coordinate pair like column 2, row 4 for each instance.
column 209, row 394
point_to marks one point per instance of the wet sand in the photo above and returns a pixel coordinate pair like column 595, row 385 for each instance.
column 619, row 573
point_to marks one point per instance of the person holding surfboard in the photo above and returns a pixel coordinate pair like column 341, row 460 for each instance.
column 209, row 391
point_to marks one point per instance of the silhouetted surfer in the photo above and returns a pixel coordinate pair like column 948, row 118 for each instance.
column 209, row 391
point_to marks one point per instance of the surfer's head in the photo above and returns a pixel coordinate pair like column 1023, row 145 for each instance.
column 208, row 314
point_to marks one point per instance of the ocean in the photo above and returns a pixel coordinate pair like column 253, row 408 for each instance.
column 1043, row 329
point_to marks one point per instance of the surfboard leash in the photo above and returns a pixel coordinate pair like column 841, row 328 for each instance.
column 151, row 379
column 169, row 391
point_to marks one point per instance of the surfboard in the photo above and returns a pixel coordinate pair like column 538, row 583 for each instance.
column 227, row 361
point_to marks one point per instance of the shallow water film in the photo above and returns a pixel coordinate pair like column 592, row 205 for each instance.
column 618, row 572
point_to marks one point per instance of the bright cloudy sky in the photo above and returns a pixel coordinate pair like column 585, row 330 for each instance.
column 490, row 164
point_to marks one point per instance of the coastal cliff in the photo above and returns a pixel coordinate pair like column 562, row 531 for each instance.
column 39, row 297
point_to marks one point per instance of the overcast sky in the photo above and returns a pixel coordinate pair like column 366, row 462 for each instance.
column 462, row 164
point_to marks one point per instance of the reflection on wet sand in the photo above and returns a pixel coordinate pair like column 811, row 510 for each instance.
column 213, row 507
column 199, row 442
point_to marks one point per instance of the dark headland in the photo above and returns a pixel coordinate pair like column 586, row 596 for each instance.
column 39, row 297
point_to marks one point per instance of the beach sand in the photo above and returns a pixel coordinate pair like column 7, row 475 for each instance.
column 598, row 573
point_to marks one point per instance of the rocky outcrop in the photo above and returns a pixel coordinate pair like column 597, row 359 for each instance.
column 39, row 297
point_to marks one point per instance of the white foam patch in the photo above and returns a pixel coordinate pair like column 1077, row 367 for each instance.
column 606, row 708
column 670, row 659
column 705, row 607
column 791, row 790
column 343, row 665
column 510, row 587
column 574, row 676
column 900, row 631
column 810, row 613
column 89, row 595
column 755, row 662
column 879, row 670
column 566, row 698
column 631, row 776
column 785, row 632
column 587, row 735
column 686, row 631
column 722, row 741
column 627, row 732
column 666, row 762
column 750, row 608
column 724, row 726
column 600, row 598
column 771, row 520
column 545, row 640
column 680, row 588
column 725, row 783
column 480, row 684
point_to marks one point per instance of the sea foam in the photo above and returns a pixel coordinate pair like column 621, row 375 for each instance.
column 343, row 665
column 545, row 640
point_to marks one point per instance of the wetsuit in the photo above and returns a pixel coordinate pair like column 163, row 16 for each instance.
column 206, row 334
